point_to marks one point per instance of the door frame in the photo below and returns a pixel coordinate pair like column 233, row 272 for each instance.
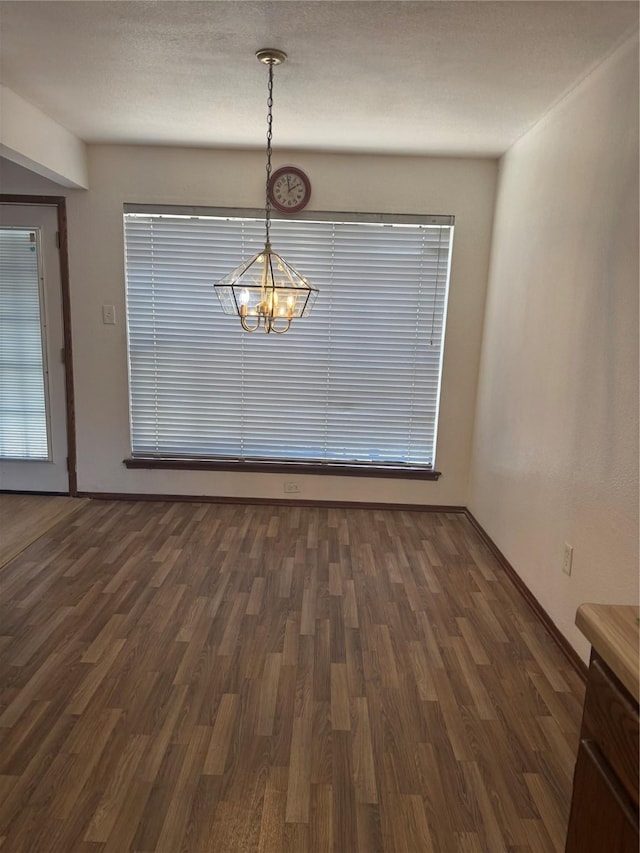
column 60, row 203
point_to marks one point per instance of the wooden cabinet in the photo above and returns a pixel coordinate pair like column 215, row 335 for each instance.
column 604, row 805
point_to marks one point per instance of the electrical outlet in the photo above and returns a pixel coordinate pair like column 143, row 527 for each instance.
column 291, row 488
column 109, row 315
column 567, row 559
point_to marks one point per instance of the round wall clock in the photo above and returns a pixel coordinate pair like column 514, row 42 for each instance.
column 289, row 189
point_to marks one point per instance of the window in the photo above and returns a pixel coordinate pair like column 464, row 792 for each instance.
column 24, row 433
column 357, row 382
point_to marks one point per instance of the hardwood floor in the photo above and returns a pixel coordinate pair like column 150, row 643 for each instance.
column 24, row 518
column 202, row 677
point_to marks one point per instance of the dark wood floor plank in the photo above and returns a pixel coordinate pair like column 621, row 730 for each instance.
column 299, row 790
column 193, row 677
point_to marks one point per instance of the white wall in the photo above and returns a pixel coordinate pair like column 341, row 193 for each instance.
column 21, row 180
column 555, row 455
column 33, row 140
column 118, row 174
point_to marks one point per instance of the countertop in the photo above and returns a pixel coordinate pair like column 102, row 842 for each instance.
column 613, row 631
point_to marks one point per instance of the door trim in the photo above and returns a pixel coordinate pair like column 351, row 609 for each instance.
column 60, row 203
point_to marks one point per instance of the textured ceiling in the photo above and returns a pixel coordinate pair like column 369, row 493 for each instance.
column 463, row 78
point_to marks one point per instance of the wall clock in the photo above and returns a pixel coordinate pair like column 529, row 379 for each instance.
column 289, row 189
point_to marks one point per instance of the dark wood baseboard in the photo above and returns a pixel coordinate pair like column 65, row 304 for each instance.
column 561, row 641
column 125, row 496
column 36, row 493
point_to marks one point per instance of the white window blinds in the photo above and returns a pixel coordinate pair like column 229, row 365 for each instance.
column 23, row 412
column 357, row 381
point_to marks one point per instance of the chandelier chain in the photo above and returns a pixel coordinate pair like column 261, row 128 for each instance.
column 267, row 205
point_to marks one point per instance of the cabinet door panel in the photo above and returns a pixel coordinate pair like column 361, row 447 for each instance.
column 611, row 720
column 602, row 817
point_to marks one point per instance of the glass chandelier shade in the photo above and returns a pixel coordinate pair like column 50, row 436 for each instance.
column 266, row 290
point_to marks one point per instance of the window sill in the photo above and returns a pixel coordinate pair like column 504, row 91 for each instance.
column 404, row 472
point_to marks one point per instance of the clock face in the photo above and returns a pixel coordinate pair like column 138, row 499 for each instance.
column 289, row 189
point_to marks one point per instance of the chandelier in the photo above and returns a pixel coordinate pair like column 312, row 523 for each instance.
column 266, row 290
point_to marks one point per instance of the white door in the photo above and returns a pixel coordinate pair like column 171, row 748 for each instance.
column 33, row 410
